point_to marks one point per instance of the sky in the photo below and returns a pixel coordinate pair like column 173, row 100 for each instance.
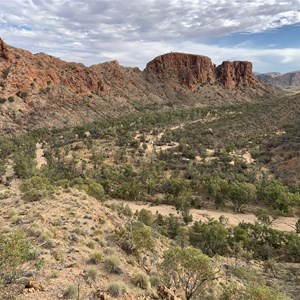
column 266, row 32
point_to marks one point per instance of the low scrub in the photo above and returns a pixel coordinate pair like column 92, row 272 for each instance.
column 36, row 188
column 117, row 288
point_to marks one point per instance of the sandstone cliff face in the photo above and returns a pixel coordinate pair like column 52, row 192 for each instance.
column 193, row 70
column 236, row 74
column 30, row 75
column 189, row 70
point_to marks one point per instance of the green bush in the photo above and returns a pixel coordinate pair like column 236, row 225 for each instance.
column 264, row 293
column 36, row 188
column 5, row 72
column 155, row 280
column 96, row 258
column 141, row 280
column 15, row 250
column 91, row 187
column 112, row 263
column 244, row 274
column 212, row 237
column 117, row 288
column 92, row 274
column 71, row 292
column 145, row 216
column 24, row 165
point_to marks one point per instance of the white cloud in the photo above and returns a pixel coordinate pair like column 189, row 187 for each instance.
column 133, row 32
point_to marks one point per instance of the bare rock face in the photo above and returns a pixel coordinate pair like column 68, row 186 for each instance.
column 236, row 74
column 187, row 69
column 193, row 70
column 4, row 51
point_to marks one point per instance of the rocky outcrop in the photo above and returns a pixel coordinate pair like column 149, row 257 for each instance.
column 236, row 74
column 189, row 70
column 193, row 70
column 165, row 293
column 4, row 51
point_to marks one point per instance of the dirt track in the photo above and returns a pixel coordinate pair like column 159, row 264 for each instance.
column 282, row 223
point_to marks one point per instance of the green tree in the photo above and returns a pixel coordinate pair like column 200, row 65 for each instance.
column 212, row 237
column 276, row 195
column 188, row 269
column 142, row 237
column 264, row 217
column 24, row 166
column 136, row 237
column 217, row 189
column 241, row 193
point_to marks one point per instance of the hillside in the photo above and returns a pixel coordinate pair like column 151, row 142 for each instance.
column 39, row 90
column 283, row 80
column 178, row 182
column 288, row 81
column 222, row 179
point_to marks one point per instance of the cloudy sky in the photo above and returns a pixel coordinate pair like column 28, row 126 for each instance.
column 266, row 32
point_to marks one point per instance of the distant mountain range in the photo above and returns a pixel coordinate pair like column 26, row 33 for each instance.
column 291, row 79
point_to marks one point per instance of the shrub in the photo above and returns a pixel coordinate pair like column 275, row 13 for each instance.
column 91, row 245
column 244, row 274
column 155, row 280
column 117, row 288
column 71, row 292
column 211, row 237
column 112, row 263
column 5, row 73
column 95, row 190
column 142, row 237
column 187, row 268
column 21, row 94
column 15, row 250
column 36, row 188
column 122, row 209
column 141, row 279
column 109, row 251
column 24, row 166
column 145, row 216
column 264, row 293
column 96, row 258
column 92, row 188
column 91, row 274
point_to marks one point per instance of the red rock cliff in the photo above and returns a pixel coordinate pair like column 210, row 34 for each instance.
column 193, row 70
column 235, row 74
column 189, row 70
